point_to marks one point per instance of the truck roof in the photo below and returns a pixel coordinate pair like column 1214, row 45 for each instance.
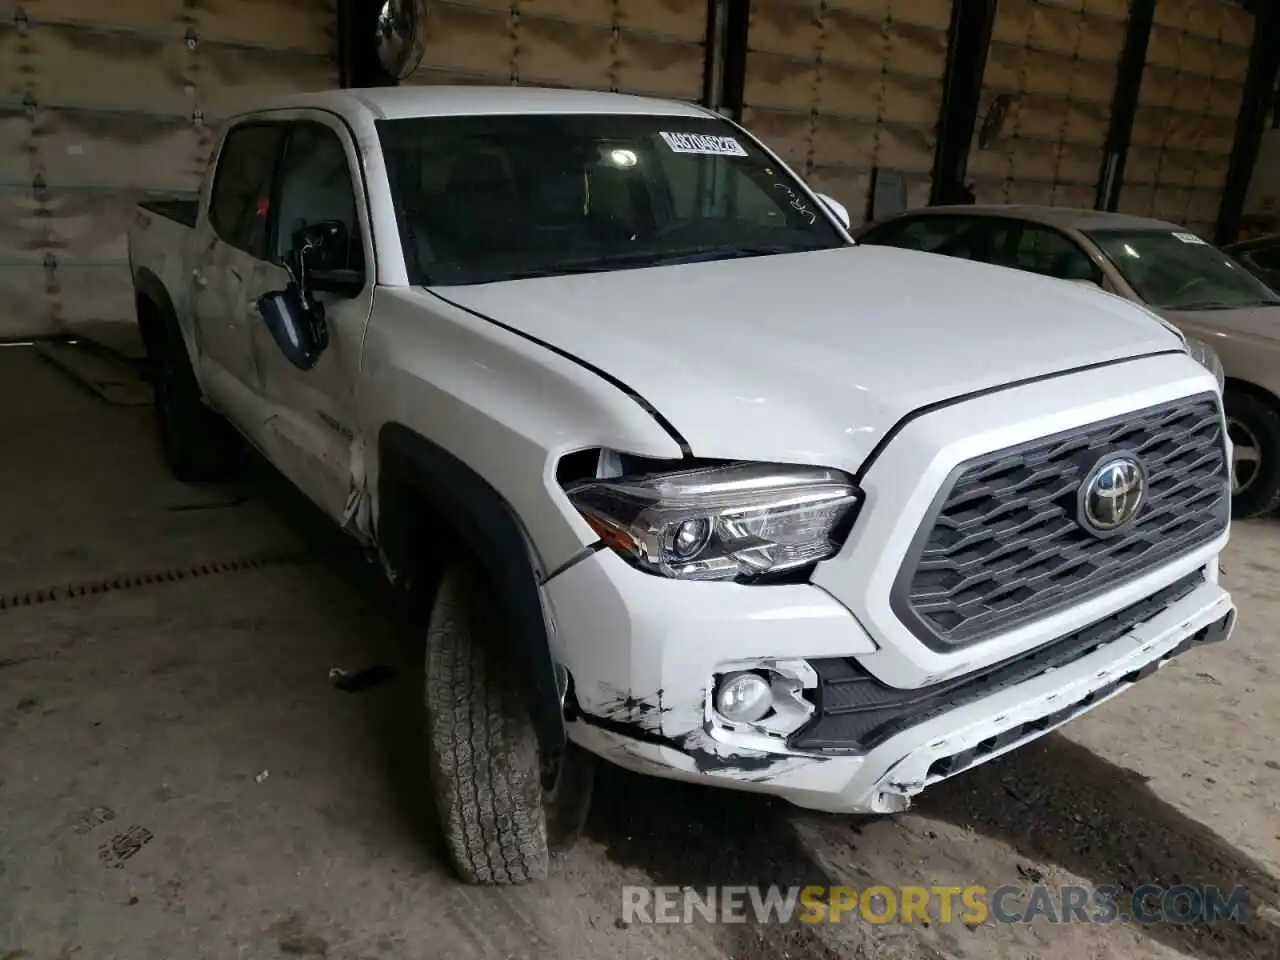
column 393, row 103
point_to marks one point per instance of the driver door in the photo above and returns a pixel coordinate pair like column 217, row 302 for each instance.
column 230, row 245
column 309, row 426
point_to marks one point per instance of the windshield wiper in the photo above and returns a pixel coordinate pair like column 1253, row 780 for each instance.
column 563, row 270
column 653, row 258
column 731, row 252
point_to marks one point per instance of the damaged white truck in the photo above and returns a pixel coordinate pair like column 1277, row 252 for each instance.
column 694, row 483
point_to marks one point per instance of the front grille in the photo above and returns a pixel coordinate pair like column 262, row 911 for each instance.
column 1002, row 546
column 856, row 712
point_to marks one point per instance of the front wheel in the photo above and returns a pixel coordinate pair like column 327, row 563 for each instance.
column 1253, row 424
column 503, row 806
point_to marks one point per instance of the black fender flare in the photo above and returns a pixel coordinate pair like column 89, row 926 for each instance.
column 411, row 466
column 146, row 285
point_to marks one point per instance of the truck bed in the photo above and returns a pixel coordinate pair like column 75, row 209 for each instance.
column 184, row 211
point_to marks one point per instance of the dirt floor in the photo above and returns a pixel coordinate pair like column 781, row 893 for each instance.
column 183, row 776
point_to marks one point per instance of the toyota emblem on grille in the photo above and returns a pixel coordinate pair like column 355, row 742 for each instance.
column 1111, row 494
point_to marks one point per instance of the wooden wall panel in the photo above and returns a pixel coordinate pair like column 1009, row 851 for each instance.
column 654, row 48
column 102, row 104
column 1187, row 108
column 1054, row 63
column 840, row 88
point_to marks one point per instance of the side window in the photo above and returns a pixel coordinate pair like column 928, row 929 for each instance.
column 241, row 196
column 1044, row 250
column 916, row 233
column 316, row 185
column 1266, row 258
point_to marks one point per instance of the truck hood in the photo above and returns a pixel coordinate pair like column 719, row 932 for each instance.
column 813, row 357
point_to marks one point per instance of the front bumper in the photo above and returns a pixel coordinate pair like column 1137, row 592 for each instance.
column 642, row 652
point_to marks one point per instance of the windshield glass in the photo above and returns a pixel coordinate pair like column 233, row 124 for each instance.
column 486, row 198
column 1173, row 270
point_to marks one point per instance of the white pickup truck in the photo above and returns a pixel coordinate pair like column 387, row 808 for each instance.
column 696, row 484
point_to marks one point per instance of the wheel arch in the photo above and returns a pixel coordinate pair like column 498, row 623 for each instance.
column 1253, row 389
column 425, row 493
column 155, row 311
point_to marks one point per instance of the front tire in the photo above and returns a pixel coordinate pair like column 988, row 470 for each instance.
column 1253, row 424
column 499, row 816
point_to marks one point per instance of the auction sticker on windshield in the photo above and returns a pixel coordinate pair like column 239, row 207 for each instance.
column 703, row 143
column 1189, row 238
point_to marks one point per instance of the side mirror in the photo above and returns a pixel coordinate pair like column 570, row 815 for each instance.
column 836, row 208
column 317, row 261
column 297, row 326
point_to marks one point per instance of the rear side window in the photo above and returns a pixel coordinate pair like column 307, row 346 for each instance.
column 1268, row 258
column 1044, row 250
column 984, row 239
column 241, row 200
column 917, row 233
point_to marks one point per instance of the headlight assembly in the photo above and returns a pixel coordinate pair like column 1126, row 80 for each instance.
column 741, row 521
column 1208, row 358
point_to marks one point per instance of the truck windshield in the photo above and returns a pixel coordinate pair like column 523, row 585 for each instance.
column 487, row 198
column 1174, row 270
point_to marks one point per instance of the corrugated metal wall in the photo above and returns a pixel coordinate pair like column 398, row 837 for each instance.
column 103, row 102
column 841, row 87
column 1187, row 109
column 655, row 47
column 1055, row 62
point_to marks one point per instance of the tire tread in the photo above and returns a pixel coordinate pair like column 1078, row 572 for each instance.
column 482, row 746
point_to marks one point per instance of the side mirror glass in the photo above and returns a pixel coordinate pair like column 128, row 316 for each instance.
column 836, row 208
column 296, row 326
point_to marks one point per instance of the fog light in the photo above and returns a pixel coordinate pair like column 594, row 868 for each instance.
column 743, row 697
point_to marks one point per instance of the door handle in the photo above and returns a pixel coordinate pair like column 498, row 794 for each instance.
column 198, row 277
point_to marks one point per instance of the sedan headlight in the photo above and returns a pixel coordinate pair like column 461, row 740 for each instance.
column 740, row 522
column 1208, row 358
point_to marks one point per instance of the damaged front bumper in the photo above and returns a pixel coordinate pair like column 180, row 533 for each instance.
column 642, row 654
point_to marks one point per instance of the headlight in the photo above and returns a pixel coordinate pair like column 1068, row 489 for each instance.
column 736, row 522
column 1207, row 357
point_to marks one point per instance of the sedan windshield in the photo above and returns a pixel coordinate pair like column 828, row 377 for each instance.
column 1173, row 270
column 487, row 198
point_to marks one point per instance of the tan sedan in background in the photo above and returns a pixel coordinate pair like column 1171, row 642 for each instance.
column 1176, row 274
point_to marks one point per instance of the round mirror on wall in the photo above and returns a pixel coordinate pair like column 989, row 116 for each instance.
column 399, row 36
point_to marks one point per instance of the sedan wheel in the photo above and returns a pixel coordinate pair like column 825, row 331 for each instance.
column 1253, row 424
column 1245, row 457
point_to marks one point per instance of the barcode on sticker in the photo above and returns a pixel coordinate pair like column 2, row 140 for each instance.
column 703, row 143
column 1188, row 238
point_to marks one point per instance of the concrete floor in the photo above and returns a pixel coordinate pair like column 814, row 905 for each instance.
column 180, row 778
